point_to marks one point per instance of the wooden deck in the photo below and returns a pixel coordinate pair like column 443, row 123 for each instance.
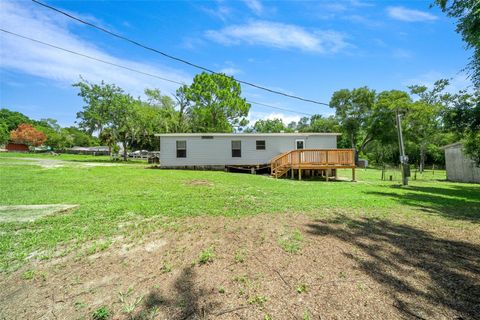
column 324, row 162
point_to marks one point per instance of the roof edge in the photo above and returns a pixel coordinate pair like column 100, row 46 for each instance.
column 247, row 134
column 451, row 145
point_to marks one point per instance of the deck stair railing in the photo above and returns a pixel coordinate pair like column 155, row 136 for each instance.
column 312, row 159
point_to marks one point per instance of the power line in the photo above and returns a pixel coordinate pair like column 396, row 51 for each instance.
column 279, row 108
column 90, row 57
column 173, row 57
column 132, row 69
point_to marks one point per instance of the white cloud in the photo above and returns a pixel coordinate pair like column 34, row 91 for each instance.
column 230, row 71
column 64, row 68
column 402, row 54
column 254, row 5
column 279, row 35
column 410, row 15
column 221, row 11
column 254, row 116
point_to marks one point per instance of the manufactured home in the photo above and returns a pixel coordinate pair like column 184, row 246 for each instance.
column 279, row 152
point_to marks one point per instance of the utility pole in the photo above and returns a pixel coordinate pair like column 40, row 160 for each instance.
column 403, row 157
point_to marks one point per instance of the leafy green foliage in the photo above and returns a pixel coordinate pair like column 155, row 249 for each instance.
column 214, row 103
column 468, row 26
column 206, row 256
column 291, row 241
column 270, row 126
column 462, row 118
column 27, row 134
column 258, row 300
column 4, row 133
column 302, row 288
column 107, row 106
column 353, row 109
column 12, row 119
column 101, row 313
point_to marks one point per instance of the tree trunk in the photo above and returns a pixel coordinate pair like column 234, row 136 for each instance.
column 422, row 157
column 125, row 155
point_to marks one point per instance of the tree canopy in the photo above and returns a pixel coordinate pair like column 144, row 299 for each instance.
column 27, row 134
column 214, row 103
column 468, row 26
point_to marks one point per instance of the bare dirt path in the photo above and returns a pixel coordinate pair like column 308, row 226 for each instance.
column 55, row 163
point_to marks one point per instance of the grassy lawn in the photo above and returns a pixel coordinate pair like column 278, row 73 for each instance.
column 83, row 226
column 109, row 196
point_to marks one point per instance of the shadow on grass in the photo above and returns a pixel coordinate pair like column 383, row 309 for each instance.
column 187, row 302
column 456, row 201
column 427, row 276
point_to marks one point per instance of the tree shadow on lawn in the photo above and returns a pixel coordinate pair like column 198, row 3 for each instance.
column 186, row 302
column 457, row 201
column 427, row 276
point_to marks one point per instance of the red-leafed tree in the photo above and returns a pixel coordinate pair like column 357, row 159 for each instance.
column 27, row 134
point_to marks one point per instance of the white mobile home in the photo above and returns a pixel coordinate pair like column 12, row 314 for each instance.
column 220, row 150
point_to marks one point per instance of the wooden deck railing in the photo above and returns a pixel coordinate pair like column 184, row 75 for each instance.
column 313, row 158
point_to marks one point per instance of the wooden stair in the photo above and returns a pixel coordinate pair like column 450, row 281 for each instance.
column 278, row 172
column 322, row 160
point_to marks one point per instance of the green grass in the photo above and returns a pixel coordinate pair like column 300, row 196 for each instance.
column 117, row 200
column 65, row 157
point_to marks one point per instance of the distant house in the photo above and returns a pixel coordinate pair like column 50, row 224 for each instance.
column 460, row 167
column 96, row 151
column 17, row 147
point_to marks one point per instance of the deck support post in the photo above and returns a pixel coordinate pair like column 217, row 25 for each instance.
column 353, row 175
column 327, row 174
column 336, row 173
column 299, row 174
column 292, row 173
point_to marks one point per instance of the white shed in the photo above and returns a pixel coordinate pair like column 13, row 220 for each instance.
column 219, row 150
column 459, row 167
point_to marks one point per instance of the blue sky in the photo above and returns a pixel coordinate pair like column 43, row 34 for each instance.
column 310, row 48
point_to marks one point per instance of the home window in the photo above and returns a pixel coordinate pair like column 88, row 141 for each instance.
column 261, row 145
column 299, row 144
column 236, row 149
column 181, row 149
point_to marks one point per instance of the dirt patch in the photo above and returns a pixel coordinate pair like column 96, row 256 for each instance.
column 29, row 213
column 54, row 163
column 283, row 267
column 199, row 182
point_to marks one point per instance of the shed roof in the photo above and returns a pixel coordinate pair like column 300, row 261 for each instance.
column 247, row 134
column 452, row 145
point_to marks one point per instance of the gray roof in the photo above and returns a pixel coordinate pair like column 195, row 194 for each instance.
column 452, row 145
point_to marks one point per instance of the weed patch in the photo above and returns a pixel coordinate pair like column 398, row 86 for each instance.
column 291, row 241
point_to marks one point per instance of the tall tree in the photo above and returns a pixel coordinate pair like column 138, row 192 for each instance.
column 27, row 134
column 424, row 115
column 462, row 117
column 353, row 109
column 12, row 119
column 318, row 123
column 99, row 99
column 107, row 106
column 215, row 103
column 468, row 14
column 383, row 124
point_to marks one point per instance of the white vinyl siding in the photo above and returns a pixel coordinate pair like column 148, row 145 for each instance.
column 218, row 151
